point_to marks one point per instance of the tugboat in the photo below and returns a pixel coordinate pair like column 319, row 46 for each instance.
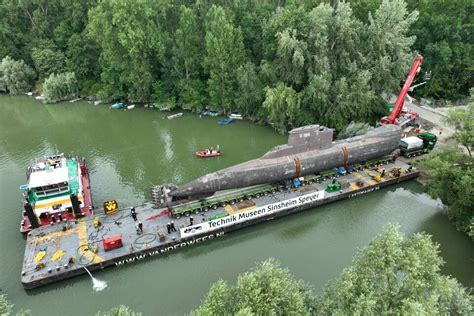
column 57, row 190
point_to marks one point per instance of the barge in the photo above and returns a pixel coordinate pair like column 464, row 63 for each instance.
column 58, row 252
column 57, row 190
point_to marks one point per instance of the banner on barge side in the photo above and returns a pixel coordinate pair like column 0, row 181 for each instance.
column 250, row 214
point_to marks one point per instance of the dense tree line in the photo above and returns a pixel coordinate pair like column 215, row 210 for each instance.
column 287, row 63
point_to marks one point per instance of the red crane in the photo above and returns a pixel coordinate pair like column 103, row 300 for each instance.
column 392, row 118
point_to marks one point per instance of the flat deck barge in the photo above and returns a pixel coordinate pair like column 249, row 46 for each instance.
column 57, row 252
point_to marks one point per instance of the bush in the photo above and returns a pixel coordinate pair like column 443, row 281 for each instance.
column 48, row 61
column 15, row 76
column 60, row 87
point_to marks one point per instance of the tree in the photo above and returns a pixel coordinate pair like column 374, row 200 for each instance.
column 60, row 87
column 282, row 105
column 250, row 92
column 396, row 275
column 5, row 306
column 15, row 76
column 224, row 54
column 444, row 33
column 451, row 176
column 48, row 61
column 354, row 129
column 463, row 121
column 187, row 59
column 266, row 290
column 82, row 55
column 132, row 42
column 121, row 310
column 388, row 50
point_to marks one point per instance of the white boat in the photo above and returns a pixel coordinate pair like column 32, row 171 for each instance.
column 75, row 100
column 131, row 106
column 236, row 116
column 39, row 97
column 175, row 116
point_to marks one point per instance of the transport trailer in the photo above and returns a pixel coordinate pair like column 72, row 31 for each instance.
column 115, row 237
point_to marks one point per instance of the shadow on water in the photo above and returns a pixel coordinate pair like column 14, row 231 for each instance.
column 306, row 223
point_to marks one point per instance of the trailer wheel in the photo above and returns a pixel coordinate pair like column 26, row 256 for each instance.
column 214, row 207
column 232, row 202
column 187, row 214
column 196, row 211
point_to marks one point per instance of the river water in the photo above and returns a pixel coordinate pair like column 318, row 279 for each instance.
column 129, row 151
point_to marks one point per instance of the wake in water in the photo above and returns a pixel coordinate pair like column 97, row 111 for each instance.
column 97, row 285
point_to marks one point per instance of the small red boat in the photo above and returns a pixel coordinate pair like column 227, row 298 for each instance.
column 208, row 153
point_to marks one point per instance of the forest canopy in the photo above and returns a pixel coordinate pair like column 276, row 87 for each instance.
column 286, row 63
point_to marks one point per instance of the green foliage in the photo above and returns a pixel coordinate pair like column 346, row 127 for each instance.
column 282, row 106
column 337, row 65
column 354, row 129
column 48, row 61
column 452, row 180
column 224, row 54
column 463, row 122
column 391, row 275
column 82, row 55
column 266, row 290
column 60, row 87
column 187, row 57
column 444, row 34
column 121, row 310
column 15, row 76
column 389, row 47
column 250, row 92
column 395, row 275
column 451, row 176
column 132, row 43
column 335, row 56
column 5, row 306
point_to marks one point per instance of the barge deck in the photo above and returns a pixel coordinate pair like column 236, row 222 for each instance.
column 58, row 252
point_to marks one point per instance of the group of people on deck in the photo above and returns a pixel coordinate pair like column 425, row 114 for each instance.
column 212, row 151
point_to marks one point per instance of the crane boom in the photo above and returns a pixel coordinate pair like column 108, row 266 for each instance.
column 397, row 109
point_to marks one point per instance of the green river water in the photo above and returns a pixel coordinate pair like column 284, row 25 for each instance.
column 129, row 151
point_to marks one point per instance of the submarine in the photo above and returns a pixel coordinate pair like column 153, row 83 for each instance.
column 310, row 149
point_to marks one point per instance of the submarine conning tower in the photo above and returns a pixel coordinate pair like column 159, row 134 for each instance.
column 303, row 139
